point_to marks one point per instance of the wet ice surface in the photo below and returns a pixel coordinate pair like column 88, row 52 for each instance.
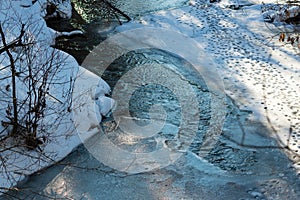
column 255, row 169
column 80, row 176
column 263, row 103
column 149, row 95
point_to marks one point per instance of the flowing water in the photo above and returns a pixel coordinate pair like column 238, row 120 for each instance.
column 96, row 19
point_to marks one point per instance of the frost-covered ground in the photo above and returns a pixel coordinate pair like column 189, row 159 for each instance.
column 16, row 163
column 261, row 79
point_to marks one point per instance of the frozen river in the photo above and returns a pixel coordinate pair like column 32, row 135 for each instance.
column 246, row 161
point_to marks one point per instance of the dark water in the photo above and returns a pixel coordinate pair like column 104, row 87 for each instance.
column 96, row 19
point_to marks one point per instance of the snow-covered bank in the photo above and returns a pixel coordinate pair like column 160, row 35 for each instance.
column 62, row 137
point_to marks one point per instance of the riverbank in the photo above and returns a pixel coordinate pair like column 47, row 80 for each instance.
column 58, row 136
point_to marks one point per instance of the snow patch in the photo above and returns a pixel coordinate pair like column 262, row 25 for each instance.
column 61, row 142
